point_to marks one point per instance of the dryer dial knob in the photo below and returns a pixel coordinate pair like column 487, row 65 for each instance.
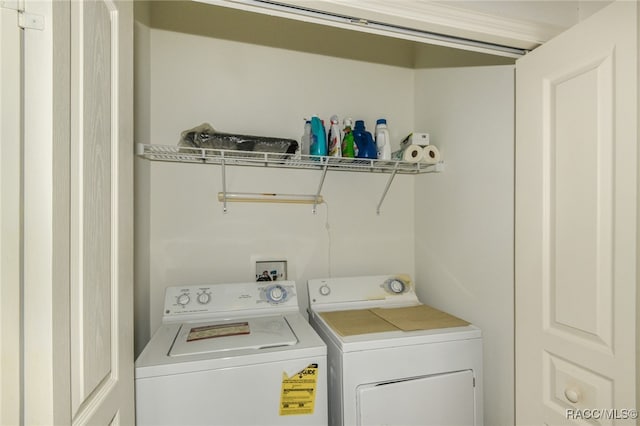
column 276, row 294
column 204, row 298
column 184, row 299
column 324, row 290
column 396, row 286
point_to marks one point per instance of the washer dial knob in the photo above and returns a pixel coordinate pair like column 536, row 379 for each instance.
column 276, row 294
column 324, row 290
column 184, row 299
column 396, row 286
column 204, row 298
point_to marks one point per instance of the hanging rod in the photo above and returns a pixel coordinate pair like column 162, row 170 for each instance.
column 268, row 197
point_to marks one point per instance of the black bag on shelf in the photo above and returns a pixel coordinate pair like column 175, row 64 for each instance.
column 205, row 136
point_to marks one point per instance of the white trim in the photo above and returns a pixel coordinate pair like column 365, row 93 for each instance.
column 457, row 21
column 76, row 199
column 38, row 221
column 30, row 21
column 451, row 23
column 11, row 4
column 115, row 185
column 10, row 218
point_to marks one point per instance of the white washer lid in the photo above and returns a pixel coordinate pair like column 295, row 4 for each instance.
column 155, row 361
column 234, row 334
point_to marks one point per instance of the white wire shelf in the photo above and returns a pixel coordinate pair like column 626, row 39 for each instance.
column 222, row 157
column 180, row 154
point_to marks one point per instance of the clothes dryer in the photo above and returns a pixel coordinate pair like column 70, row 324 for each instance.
column 232, row 354
column 393, row 360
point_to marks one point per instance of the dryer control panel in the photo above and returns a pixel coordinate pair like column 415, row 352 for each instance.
column 223, row 300
column 367, row 290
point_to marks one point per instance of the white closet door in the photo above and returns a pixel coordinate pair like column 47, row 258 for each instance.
column 440, row 400
column 576, row 222
column 101, row 213
column 78, row 214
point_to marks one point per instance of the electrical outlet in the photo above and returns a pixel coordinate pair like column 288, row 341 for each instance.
column 271, row 270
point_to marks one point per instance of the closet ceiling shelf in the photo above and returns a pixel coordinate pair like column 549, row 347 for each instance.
column 181, row 154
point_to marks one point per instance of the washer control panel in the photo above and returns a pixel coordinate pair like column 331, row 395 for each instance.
column 200, row 300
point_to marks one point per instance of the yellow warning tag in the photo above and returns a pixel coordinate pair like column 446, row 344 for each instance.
column 298, row 394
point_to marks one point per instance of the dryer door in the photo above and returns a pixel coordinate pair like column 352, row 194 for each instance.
column 441, row 399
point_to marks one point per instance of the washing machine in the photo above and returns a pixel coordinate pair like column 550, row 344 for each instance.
column 393, row 360
column 232, row 354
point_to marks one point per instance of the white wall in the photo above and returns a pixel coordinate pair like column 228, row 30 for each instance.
column 193, row 241
column 206, row 72
column 251, row 89
column 246, row 89
column 464, row 216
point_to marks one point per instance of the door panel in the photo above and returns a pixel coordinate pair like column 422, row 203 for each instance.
column 576, row 216
column 101, row 213
column 92, row 341
column 567, row 381
column 578, row 145
column 441, row 399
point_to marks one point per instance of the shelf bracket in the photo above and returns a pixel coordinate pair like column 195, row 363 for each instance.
column 324, row 174
column 386, row 188
column 224, row 187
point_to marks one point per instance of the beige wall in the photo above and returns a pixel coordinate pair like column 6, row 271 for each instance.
column 142, row 125
column 464, row 216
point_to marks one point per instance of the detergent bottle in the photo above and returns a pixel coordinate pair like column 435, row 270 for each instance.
column 348, row 145
column 318, row 137
column 334, row 138
column 383, row 145
column 364, row 141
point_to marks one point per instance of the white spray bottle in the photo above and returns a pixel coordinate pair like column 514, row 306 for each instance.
column 335, row 138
